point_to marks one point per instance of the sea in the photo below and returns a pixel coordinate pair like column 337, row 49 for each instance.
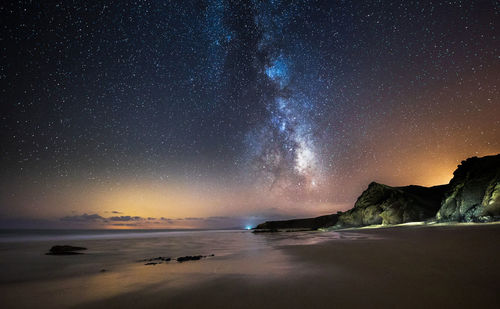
column 116, row 261
column 23, row 252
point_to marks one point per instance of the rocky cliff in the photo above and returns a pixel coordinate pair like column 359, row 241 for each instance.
column 382, row 204
column 474, row 193
column 309, row 223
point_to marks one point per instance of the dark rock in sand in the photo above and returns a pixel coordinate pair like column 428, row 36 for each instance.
column 382, row 204
column 189, row 258
column 474, row 193
column 65, row 250
column 160, row 258
column 298, row 224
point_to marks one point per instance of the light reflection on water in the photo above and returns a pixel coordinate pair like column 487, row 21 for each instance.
column 26, row 260
column 24, row 265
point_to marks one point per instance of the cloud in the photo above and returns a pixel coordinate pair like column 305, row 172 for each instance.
column 83, row 218
column 97, row 218
column 125, row 218
column 187, row 222
column 116, row 212
column 167, row 220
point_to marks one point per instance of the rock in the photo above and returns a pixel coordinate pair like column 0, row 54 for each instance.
column 378, row 204
column 65, row 250
column 297, row 224
column 160, row 258
column 474, row 193
column 189, row 258
column 382, row 204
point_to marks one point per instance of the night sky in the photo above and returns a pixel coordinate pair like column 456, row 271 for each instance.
column 227, row 113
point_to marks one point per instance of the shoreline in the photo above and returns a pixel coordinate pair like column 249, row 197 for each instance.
column 447, row 267
column 402, row 266
column 412, row 224
column 375, row 227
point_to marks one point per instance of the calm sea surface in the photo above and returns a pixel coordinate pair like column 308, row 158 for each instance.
column 114, row 263
column 22, row 252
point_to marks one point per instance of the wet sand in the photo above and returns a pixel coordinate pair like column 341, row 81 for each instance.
column 404, row 267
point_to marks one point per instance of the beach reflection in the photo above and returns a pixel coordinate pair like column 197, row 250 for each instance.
column 114, row 266
column 276, row 240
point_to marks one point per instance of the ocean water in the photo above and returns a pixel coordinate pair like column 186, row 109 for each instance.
column 114, row 262
column 22, row 252
column 22, row 235
column 27, row 235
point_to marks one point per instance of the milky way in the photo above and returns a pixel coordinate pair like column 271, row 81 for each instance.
column 284, row 147
column 238, row 108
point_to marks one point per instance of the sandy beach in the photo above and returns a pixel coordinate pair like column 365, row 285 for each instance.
column 410, row 267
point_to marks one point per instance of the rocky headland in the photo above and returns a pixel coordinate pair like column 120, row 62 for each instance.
column 298, row 224
column 474, row 192
column 382, row 204
column 473, row 195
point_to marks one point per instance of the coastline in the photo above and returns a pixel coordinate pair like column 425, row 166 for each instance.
column 407, row 266
column 410, row 267
column 410, row 224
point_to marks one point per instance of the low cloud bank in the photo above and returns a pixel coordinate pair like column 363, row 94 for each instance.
column 118, row 219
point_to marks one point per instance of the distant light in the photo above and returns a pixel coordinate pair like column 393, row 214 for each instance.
column 248, row 227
